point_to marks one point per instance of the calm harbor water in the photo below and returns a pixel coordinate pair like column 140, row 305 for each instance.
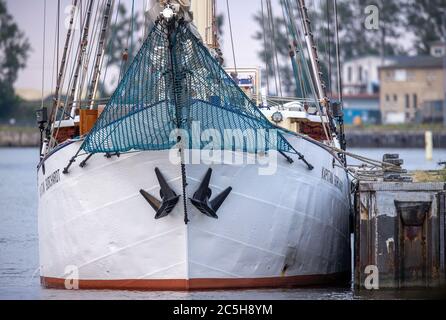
column 19, row 274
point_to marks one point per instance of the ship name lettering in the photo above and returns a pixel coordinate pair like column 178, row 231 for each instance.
column 52, row 179
column 330, row 177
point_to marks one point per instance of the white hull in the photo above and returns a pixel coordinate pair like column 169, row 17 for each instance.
column 291, row 228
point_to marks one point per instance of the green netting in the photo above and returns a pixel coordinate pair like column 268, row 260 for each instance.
column 175, row 83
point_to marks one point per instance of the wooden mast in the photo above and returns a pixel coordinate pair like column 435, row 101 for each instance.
column 61, row 75
column 83, row 47
column 312, row 51
column 100, row 52
column 330, row 130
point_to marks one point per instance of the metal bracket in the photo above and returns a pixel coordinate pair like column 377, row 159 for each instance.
column 83, row 164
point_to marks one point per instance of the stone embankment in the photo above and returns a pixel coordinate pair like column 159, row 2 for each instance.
column 18, row 138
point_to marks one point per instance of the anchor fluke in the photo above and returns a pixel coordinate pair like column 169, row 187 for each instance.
column 169, row 197
column 201, row 199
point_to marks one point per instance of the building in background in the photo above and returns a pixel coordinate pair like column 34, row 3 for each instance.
column 249, row 80
column 408, row 86
column 361, row 109
column 360, row 75
column 438, row 49
column 430, row 112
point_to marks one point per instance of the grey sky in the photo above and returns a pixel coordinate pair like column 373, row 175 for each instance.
column 29, row 16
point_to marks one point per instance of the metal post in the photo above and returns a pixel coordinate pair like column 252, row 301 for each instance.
column 100, row 51
column 80, row 59
column 339, row 81
column 312, row 51
column 61, row 71
column 444, row 67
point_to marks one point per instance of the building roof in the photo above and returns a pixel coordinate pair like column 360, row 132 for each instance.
column 362, row 96
column 373, row 56
column 416, row 62
column 438, row 43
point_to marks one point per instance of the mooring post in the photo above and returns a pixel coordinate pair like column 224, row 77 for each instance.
column 429, row 145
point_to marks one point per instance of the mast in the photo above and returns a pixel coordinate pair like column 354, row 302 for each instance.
column 324, row 102
column 61, row 75
column 83, row 47
column 100, row 52
column 312, row 51
column 339, row 76
column 204, row 19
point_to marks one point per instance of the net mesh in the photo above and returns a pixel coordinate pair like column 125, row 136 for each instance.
column 175, row 83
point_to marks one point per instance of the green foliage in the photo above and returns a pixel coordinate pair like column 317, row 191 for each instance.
column 220, row 22
column 427, row 20
column 14, row 50
column 363, row 41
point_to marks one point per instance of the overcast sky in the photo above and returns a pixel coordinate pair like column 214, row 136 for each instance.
column 29, row 16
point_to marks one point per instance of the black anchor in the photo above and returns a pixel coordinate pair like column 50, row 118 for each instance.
column 201, row 197
column 169, row 197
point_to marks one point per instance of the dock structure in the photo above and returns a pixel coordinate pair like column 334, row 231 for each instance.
column 400, row 233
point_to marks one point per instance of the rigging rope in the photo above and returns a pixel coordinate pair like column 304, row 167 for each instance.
column 65, row 62
column 273, row 66
column 327, row 4
column 65, row 114
column 292, row 52
column 110, row 46
column 55, row 65
column 338, row 60
column 295, row 44
column 274, row 47
column 186, row 86
column 132, row 28
column 91, row 45
column 96, row 33
column 325, row 125
column 126, row 55
column 43, row 55
column 231, row 34
column 264, row 49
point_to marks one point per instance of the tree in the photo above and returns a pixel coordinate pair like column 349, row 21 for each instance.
column 355, row 39
column 427, row 20
column 14, row 50
column 280, row 42
column 220, row 22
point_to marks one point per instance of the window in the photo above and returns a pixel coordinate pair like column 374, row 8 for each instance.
column 410, row 76
column 349, row 76
column 406, row 101
column 438, row 52
column 395, row 98
column 360, row 73
column 431, row 76
column 415, row 101
column 387, row 97
column 401, row 75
